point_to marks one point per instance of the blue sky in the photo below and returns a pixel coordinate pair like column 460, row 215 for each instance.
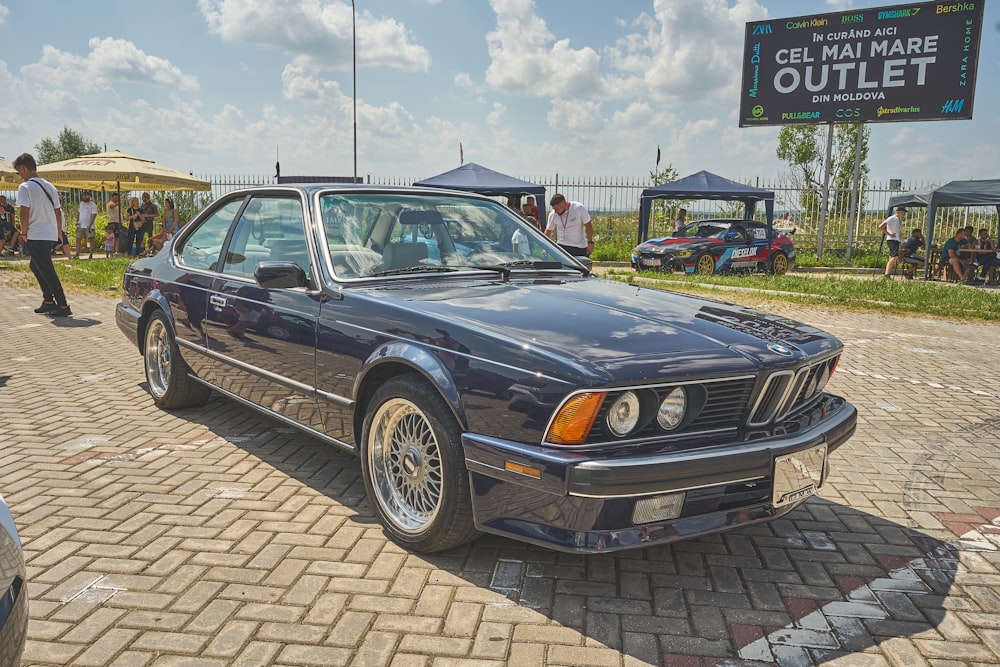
column 529, row 88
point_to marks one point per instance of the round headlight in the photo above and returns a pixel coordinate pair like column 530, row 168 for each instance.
column 672, row 409
column 624, row 414
column 824, row 377
column 811, row 387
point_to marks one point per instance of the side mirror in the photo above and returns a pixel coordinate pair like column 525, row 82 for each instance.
column 280, row 275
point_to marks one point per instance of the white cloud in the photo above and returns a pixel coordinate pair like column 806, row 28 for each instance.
column 583, row 119
column 527, row 59
column 316, row 31
column 495, row 117
column 119, row 59
column 3, row 14
column 109, row 61
column 700, row 62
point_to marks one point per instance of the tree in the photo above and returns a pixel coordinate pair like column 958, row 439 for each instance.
column 803, row 148
column 70, row 144
column 663, row 211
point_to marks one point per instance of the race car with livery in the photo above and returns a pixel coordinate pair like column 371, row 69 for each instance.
column 718, row 246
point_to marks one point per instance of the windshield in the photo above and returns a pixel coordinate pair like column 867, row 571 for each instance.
column 370, row 234
column 705, row 230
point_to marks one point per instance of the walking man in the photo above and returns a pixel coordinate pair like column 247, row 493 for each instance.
column 891, row 227
column 85, row 225
column 41, row 222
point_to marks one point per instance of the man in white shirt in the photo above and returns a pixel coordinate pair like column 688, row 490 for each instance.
column 41, row 219
column 569, row 225
column 85, row 224
column 891, row 227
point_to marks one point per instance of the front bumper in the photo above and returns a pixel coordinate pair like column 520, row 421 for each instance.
column 667, row 263
column 583, row 502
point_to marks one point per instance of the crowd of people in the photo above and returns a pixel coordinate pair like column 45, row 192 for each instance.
column 141, row 229
column 973, row 259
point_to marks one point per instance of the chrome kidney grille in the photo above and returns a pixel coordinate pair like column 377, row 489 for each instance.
column 787, row 391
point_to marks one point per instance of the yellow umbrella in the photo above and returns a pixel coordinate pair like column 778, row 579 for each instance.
column 8, row 177
column 116, row 170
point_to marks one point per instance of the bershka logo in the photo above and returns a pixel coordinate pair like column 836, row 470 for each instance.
column 762, row 29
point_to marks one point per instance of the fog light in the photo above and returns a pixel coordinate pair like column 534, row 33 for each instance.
column 658, row 508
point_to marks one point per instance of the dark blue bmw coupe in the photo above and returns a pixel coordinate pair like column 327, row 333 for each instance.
column 486, row 388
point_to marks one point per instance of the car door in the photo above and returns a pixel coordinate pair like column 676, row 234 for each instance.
column 266, row 337
column 196, row 258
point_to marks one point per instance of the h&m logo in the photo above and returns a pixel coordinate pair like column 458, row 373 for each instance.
column 953, row 106
column 762, row 29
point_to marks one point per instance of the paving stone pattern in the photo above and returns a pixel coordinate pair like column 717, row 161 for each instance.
column 218, row 537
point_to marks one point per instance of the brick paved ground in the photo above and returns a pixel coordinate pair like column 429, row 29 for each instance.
column 217, row 537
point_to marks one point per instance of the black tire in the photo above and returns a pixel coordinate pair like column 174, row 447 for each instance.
column 704, row 265
column 414, row 467
column 167, row 377
column 779, row 264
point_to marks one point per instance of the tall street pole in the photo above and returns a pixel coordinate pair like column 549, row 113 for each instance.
column 354, row 67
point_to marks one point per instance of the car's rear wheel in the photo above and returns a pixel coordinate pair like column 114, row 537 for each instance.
column 705, row 264
column 414, row 469
column 166, row 373
column 779, row 264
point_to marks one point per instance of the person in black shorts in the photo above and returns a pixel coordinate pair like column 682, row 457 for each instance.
column 908, row 253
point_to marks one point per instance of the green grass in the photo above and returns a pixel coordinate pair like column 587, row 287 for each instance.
column 98, row 275
column 915, row 297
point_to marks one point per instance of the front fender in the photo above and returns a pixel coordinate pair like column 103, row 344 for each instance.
column 384, row 362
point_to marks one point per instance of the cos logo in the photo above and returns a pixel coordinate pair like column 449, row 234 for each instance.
column 848, row 113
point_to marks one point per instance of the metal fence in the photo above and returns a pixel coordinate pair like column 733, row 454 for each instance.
column 614, row 203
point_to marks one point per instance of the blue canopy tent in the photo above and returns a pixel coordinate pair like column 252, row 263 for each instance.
column 705, row 185
column 471, row 177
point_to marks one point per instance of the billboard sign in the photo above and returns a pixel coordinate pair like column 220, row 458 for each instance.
column 906, row 62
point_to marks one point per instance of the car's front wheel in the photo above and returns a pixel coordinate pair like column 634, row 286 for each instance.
column 166, row 373
column 414, row 469
column 705, row 264
column 779, row 264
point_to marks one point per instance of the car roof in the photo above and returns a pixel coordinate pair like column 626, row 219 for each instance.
column 309, row 189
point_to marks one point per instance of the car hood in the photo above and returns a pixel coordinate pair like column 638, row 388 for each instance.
column 669, row 244
column 619, row 332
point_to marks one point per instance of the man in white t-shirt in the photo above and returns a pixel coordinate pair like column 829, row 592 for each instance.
column 41, row 219
column 569, row 225
column 891, row 227
column 85, row 224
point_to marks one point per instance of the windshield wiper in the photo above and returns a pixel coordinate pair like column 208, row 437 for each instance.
column 420, row 268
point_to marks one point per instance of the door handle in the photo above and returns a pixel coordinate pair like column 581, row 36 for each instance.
column 219, row 301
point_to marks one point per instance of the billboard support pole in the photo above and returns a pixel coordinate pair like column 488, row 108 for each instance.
column 826, row 191
column 855, row 191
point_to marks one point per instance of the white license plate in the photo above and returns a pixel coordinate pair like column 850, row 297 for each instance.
column 650, row 262
column 798, row 475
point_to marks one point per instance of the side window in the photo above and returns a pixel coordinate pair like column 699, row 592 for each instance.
column 270, row 229
column 201, row 248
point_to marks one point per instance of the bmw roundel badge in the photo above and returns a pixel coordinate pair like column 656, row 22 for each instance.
column 780, row 349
